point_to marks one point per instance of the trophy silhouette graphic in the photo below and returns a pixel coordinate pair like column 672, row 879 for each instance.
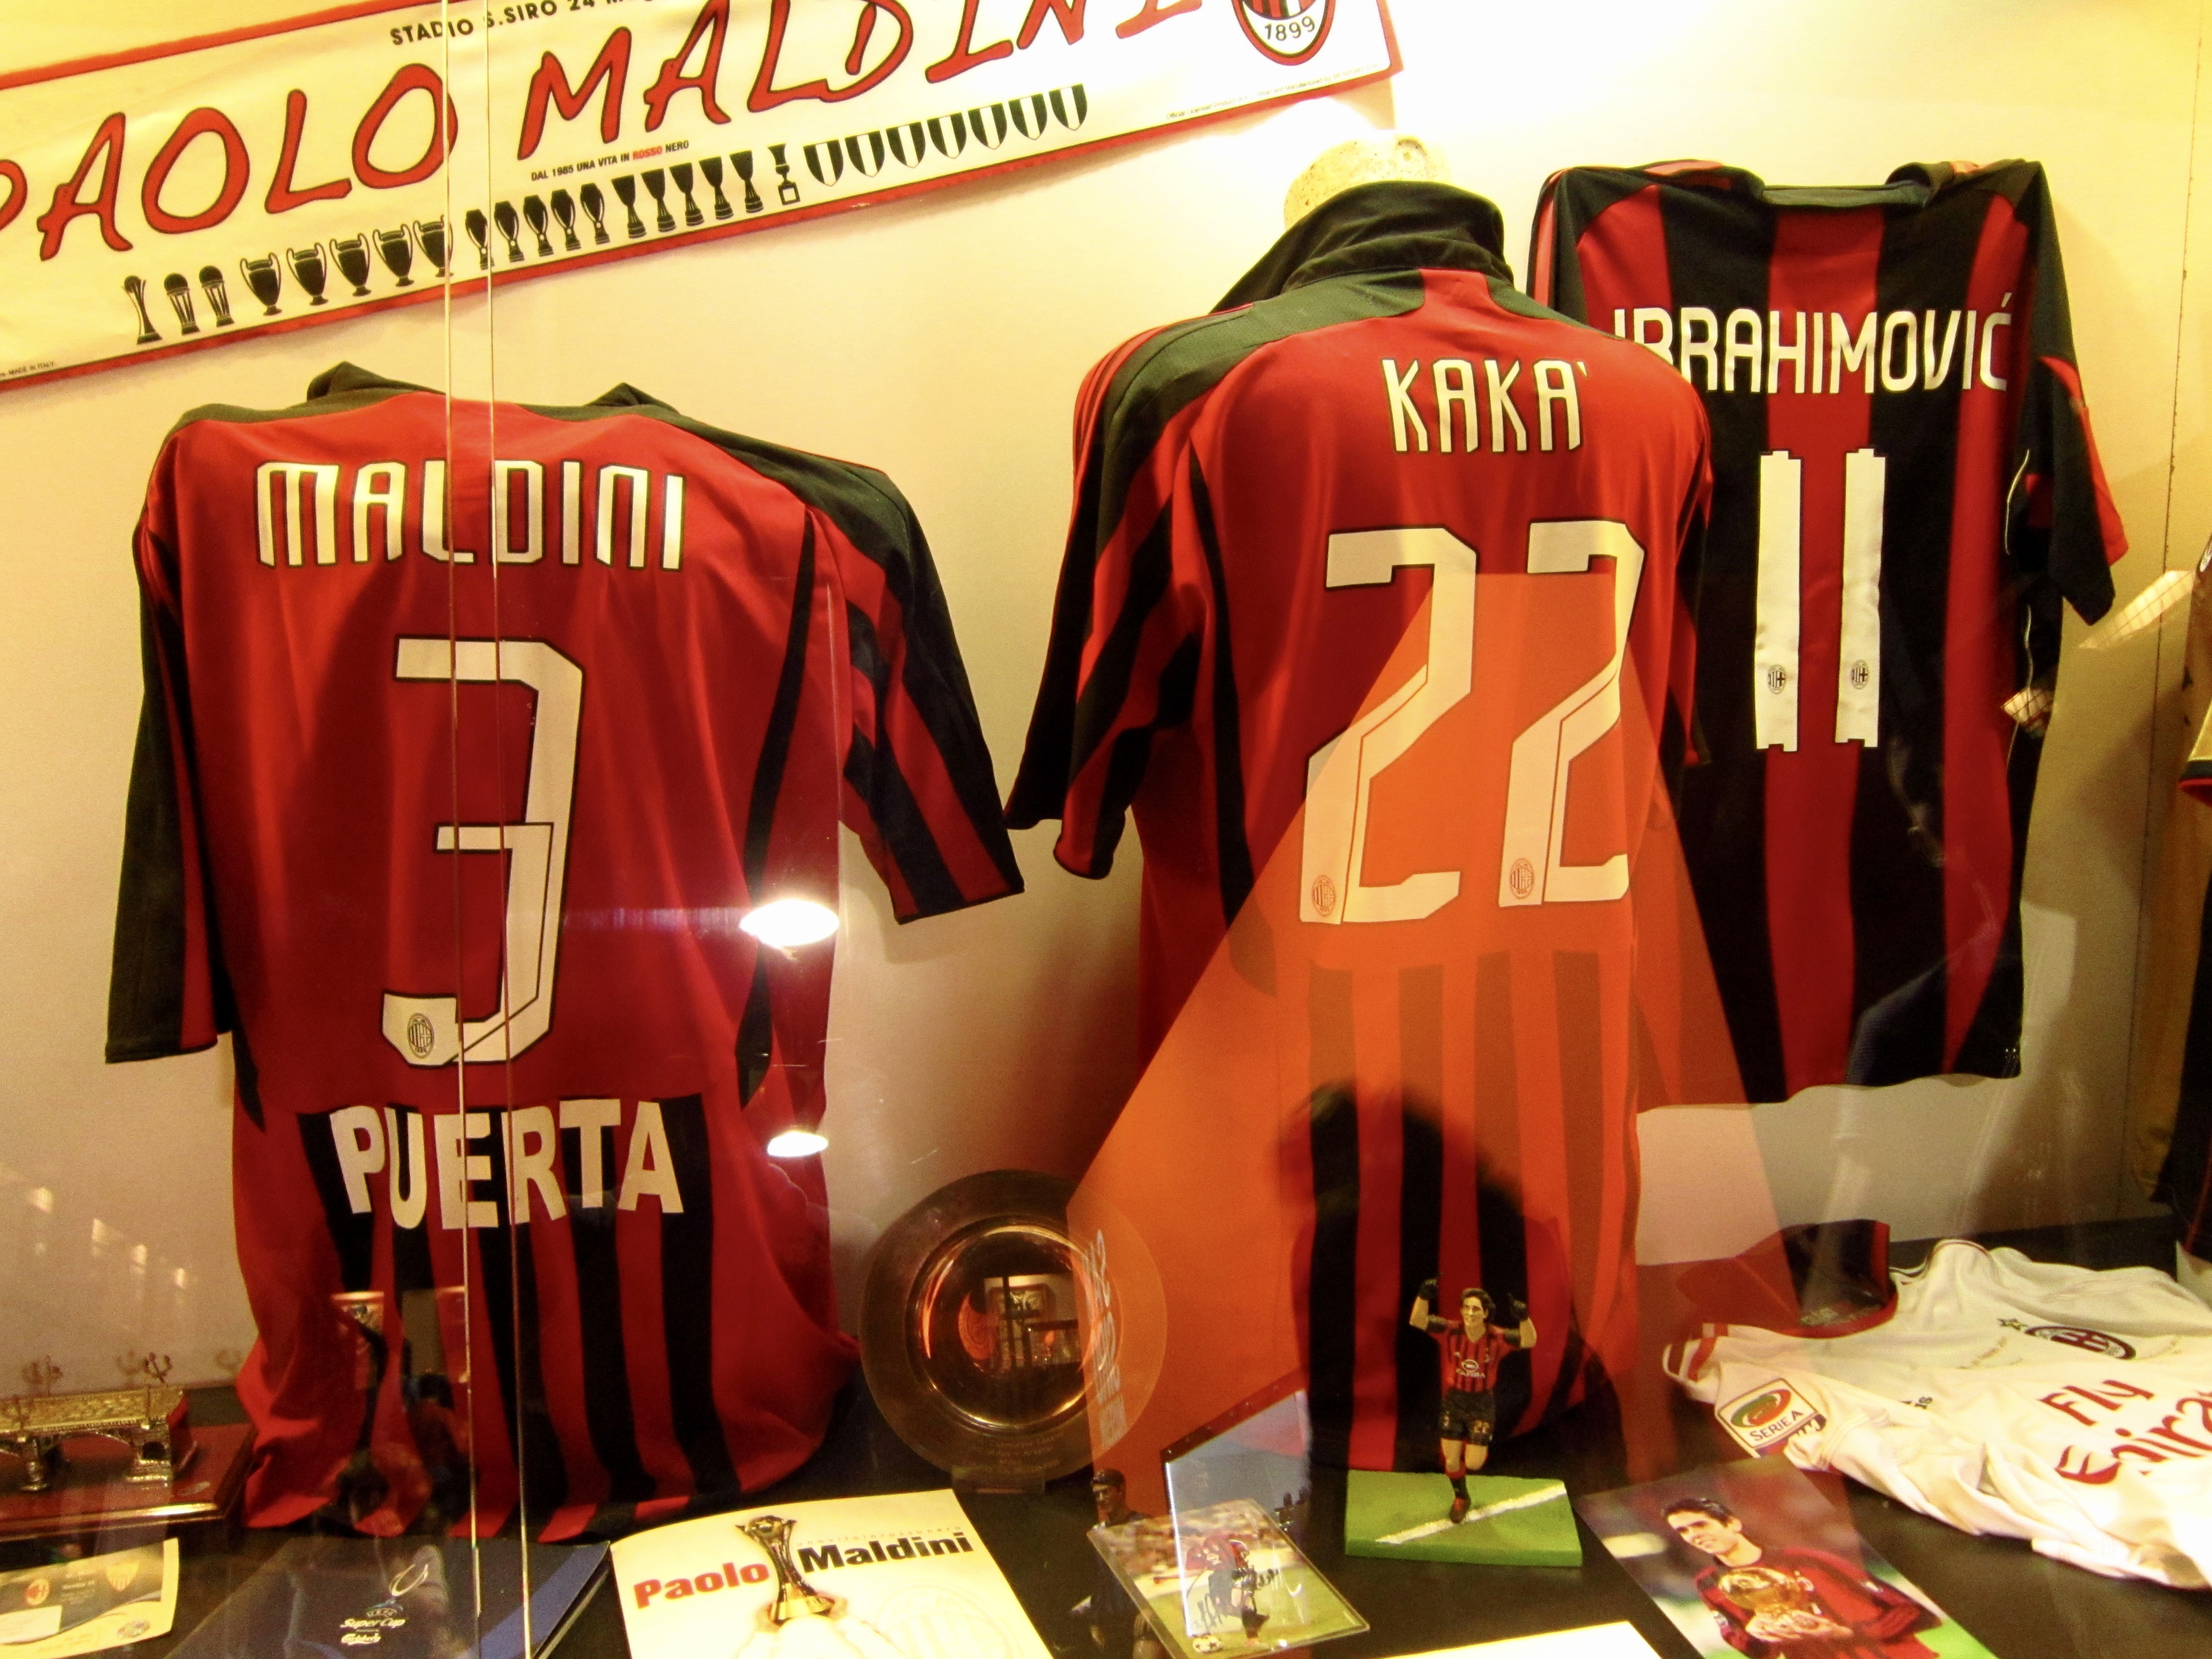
column 309, row 271
column 431, row 232
column 681, row 173
column 136, row 288
column 626, row 193
column 533, row 211
column 743, row 161
column 351, row 253
column 504, row 216
column 266, row 279
column 218, row 296
column 564, row 211
column 710, row 168
column 479, row 232
column 786, row 192
column 595, row 205
column 180, row 295
column 656, row 184
column 397, row 253
column 795, row 1596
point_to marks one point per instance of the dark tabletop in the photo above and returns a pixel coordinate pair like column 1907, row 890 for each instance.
column 2020, row 1605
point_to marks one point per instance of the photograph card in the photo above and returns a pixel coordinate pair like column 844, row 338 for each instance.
column 1224, row 1581
column 1754, row 1558
column 95, row 1602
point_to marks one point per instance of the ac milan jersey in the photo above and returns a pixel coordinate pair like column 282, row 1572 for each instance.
column 471, row 733
column 1470, row 1363
column 2004, row 1395
column 1370, row 603
column 1904, row 487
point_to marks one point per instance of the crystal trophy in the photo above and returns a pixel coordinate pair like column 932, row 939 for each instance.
column 710, row 168
column 179, row 290
column 351, row 253
column 479, row 232
column 786, row 192
column 136, row 288
column 533, row 211
column 265, row 278
column 431, row 232
column 308, row 271
column 743, row 161
column 564, row 214
column 218, row 296
column 397, row 253
column 595, row 205
column 795, row 1596
column 626, row 193
column 681, row 173
column 510, row 224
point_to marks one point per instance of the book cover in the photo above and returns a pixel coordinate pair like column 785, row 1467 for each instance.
column 1510, row 1522
column 1755, row 1558
column 895, row 1575
column 402, row 1598
column 1223, row 1580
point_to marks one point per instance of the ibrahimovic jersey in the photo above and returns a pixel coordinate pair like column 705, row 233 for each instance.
column 1905, row 487
column 471, row 732
column 1369, row 612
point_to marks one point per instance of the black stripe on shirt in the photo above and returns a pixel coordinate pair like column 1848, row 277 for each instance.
column 687, row 1299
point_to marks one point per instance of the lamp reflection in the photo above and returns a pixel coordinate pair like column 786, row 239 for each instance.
column 796, row 1143
column 788, row 923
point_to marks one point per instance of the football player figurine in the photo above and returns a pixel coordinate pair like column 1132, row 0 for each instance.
column 1472, row 1347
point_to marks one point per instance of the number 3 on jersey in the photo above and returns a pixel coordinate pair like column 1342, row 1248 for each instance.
column 1340, row 775
column 428, row 1030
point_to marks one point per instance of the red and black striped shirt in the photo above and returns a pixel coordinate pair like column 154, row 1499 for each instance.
column 1379, row 532
column 1905, row 489
column 471, row 732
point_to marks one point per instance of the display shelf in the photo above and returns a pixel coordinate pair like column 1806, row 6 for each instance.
column 2020, row 1605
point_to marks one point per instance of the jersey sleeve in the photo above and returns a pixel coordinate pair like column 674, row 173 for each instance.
column 919, row 791
column 1122, row 661
column 166, row 993
column 2060, row 520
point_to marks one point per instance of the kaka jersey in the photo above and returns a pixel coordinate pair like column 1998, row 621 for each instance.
column 1370, row 611
column 471, row 732
column 2004, row 1395
column 1470, row 1363
column 1904, row 487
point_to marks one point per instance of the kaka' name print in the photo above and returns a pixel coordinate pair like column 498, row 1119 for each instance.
column 277, row 176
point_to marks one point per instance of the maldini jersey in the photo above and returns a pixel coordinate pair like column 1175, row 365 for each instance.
column 2004, row 1395
column 471, row 732
column 1370, row 611
column 1905, row 487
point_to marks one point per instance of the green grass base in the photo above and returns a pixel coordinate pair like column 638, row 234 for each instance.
column 1376, row 1505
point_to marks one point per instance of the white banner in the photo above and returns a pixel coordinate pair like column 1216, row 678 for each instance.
column 272, row 178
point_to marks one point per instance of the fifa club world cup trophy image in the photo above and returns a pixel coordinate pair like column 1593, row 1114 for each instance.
column 803, row 1623
column 1471, row 1348
column 1775, row 1600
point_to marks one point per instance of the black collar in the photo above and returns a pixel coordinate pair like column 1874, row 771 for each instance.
column 1394, row 225
column 343, row 379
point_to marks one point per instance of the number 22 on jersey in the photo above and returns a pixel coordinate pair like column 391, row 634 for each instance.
column 1341, row 773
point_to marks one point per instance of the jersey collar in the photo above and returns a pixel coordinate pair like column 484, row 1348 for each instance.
column 1393, row 225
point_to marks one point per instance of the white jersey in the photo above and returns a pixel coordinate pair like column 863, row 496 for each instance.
column 2068, row 1407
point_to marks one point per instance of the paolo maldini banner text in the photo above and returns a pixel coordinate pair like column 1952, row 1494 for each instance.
column 184, row 195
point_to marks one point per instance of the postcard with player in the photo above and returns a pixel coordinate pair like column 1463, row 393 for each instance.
column 1754, row 1558
column 83, row 1606
column 894, row 1576
column 1224, row 1581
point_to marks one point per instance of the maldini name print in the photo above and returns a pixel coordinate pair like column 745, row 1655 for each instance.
column 376, row 155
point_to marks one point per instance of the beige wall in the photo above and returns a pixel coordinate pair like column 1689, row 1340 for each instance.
column 942, row 339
